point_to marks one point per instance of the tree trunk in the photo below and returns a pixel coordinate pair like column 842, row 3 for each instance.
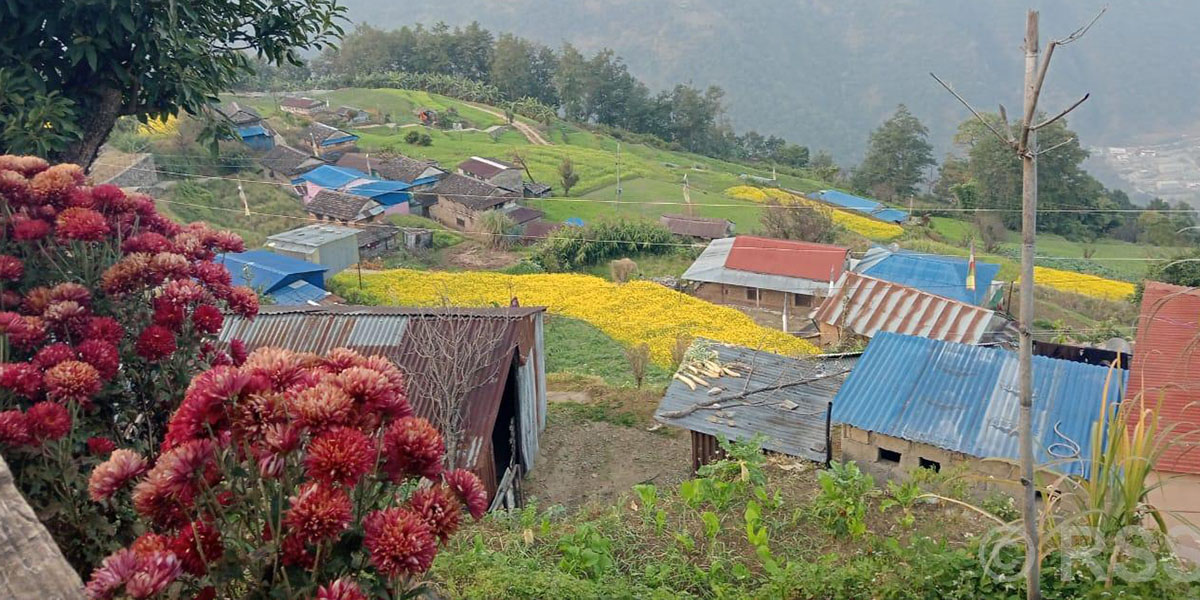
column 97, row 120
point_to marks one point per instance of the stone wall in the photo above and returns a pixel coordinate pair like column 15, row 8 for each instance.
column 863, row 447
column 141, row 174
column 31, row 565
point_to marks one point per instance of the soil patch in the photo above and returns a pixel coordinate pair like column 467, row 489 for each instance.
column 473, row 257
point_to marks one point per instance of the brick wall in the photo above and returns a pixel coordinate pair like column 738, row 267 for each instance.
column 863, row 447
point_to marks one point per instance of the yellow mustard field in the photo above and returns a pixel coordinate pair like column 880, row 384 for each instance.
column 867, row 227
column 1082, row 283
column 632, row 313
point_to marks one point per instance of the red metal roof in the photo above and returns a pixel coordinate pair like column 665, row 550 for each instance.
column 818, row 262
column 1166, row 366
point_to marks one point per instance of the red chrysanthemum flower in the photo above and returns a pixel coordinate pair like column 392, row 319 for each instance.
column 100, row 446
column 106, row 329
column 208, row 592
column 27, row 166
column 156, row 343
column 111, row 475
column 53, row 184
column 322, row 406
column 126, row 275
column 174, row 267
column 207, row 319
column 69, row 291
column 281, row 368
column 52, row 355
column 400, row 542
column 82, row 224
column 48, row 421
column 72, row 381
column 183, row 466
column 376, row 396
column 112, row 574
column 242, row 301
column 25, row 229
column 23, row 379
column 278, row 440
column 141, row 575
column 197, row 545
column 294, row 552
column 11, row 268
column 36, row 300
column 318, row 512
column 66, row 318
column 341, row 455
column 237, row 352
column 469, row 489
column 341, row 589
column 156, row 572
column 149, row 543
column 14, row 186
column 340, row 359
column 226, row 241
column 168, row 315
column 211, row 274
column 440, row 509
column 22, row 332
column 148, row 242
column 109, row 196
column 411, row 446
column 14, row 429
column 102, row 355
column 204, row 405
column 81, row 197
column 9, row 299
column 152, row 499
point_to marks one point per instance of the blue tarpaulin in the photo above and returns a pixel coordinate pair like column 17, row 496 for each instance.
column 272, row 274
column 387, row 193
column 862, row 205
column 944, row 276
column 330, row 177
column 965, row 399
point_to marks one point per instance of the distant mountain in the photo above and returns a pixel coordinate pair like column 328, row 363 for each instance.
column 826, row 72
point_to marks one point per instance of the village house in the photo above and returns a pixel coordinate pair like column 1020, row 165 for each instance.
column 301, row 106
column 352, row 115
column 944, row 276
column 329, row 142
column 794, row 418
column 247, row 125
column 392, row 195
column 699, row 228
column 865, row 306
column 420, row 175
column 286, row 162
column 779, row 275
column 498, row 354
column 334, row 247
column 462, row 200
column 1166, row 375
column 534, row 189
column 496, row 172
column 914, row 402
column 284, row 280
column 340, row 207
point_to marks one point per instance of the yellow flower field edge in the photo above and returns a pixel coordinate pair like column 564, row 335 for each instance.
column 866, row 227
column 632, row 313
column 1083, row 283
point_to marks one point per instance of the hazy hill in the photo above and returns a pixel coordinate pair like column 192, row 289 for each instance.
column 825, row 72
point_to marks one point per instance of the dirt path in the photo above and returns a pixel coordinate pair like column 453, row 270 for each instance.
column 529, row 132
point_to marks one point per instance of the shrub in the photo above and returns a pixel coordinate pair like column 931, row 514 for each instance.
column 107, row 310
column 425, row 140
column 412, row 137
column 573, row 248
column 289, row 476
column 842, row 502
column 639, row 360
column 498, row 229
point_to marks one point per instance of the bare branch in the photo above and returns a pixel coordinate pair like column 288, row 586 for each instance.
column 1004, row 117
column 1006, row 139
column 1063, row 113
column 1056, row 146
column 1044, row 68
column 1082, row 31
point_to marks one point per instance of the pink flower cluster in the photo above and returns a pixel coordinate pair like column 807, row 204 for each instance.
column 325, row 424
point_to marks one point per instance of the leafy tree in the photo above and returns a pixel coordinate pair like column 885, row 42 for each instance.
column 567, row 175
column 794, row 222
column 897, row 155
column 792, row 155
column 1181, row 270
column 823, row 167
column 69, row 70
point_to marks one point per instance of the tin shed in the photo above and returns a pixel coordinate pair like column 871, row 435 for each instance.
column 332, row 246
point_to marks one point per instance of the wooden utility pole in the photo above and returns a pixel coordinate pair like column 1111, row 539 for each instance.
column 1025, row 145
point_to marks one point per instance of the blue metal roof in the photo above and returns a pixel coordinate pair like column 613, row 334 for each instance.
column 331, row 177
column 944, row 276
column 298, row 292
column 385, row 192
column 965, row 399
column 862, row 205
column 251, row 131
column 338, row 140
column 268, row 271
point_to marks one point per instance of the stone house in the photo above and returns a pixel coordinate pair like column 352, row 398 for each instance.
column 462, row 200
column 496, row 172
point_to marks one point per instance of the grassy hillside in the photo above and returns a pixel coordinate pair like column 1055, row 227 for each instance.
column 216, row 202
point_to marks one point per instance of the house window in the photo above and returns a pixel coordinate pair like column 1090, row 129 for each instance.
column 932, row 465
column 752, row 293
column 460, row 222
column 801, row 300
column 888, row 456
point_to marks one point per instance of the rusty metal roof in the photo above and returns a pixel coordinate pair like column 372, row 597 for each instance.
column 1166, row 368
column 866, row 306
column 701, row 227
column 787, row 399
column 398, row 334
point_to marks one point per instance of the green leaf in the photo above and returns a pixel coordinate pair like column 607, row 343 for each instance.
column 712, row 523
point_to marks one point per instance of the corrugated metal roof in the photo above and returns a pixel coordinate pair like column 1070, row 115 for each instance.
column 484, row 168
column 330, row 177
column 314, row 236
column 700, row 227
column 794, row 418
column 868, row 306
column 941, row 275
column 787, row 258
column 1166, row 368
column 251, row 131
column 965, row 398
column 267, row 270
column 862, row 205
column 397, row 333
column 710, row 267
column 297, row 292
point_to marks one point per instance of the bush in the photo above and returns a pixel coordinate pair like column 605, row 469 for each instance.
column 574, row 248
column 638, row 358
column 498, row 229
column 412, row 137
column 108, row 309
column 842, row 502
column 425, row 140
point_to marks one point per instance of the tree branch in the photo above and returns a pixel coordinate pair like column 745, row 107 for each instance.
column 1056, row 146
column 1062, row 114
column 1007, row 139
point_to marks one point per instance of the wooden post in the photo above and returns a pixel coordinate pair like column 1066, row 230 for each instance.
column 1027, row 149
